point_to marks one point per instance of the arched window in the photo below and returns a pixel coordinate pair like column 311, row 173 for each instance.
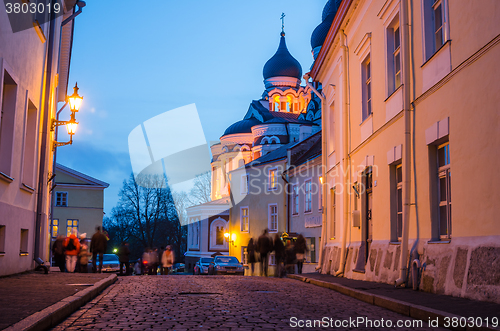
column 217, row 229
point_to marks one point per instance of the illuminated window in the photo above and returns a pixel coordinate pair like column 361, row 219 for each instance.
column 61, row 199
column 71, row 225
column 273, row 179
column 55, row 227
column 295, row 199
column 244, row 219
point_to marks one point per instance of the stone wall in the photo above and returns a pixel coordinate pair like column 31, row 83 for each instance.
column 469, row 270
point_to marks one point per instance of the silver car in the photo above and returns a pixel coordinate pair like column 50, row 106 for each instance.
column 110, row 263
column 201, row 267
column 228, row 265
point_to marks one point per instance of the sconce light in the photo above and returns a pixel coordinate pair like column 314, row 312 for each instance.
column 321, row 180
column 230, row 238
column 75, row 102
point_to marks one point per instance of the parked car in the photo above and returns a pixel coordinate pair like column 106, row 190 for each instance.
column 178, row 267
column 225, row 265
column 110, row 263
column 201, row 267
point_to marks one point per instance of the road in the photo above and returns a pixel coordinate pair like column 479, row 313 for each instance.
column 185, row 302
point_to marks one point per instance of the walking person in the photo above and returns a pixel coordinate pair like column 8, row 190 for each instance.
column 58, row 251
column 71, row 249
column 167, row 259
column 289, row 257
column 265, row 247
column 160, row 254
column 98, row 246
column 300, row 252
column 279, row 252
column 83, row 256
column 123, row 257
column 251, row 255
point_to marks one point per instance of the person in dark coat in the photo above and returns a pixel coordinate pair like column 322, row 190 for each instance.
column 98, row 245
column 289, row 257
column 251, row 255
column 58, row 251
column 123, row 257
column 265, row 247
column 300, row 251
column 279, row 252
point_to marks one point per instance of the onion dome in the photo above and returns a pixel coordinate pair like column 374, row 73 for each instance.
column 319, row 34
column 243, row 126
column 282, row 64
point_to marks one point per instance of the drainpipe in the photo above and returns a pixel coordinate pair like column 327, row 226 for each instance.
column 323, row 167
column 345, row 155
column 405, row 43
column 44, row 142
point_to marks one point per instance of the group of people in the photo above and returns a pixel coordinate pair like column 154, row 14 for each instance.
column 286, row 255
column 72, row 253
column 155, row 261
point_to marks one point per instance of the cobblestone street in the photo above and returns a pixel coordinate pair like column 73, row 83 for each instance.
column 186, row 302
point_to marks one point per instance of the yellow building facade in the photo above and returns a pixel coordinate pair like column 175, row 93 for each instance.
column 410, row 98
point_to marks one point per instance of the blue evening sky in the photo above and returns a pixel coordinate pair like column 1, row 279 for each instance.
column 136, row 59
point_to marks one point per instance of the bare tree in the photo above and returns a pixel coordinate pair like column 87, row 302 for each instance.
column 201, row 191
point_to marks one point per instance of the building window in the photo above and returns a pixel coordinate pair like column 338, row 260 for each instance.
column 61, row 199
column 219, row 235
column 7, row 119
column 71, row 227
column 295, row 199
column 273, row 179
column 244, row 219
column 397, row 202
column 367, row 89
column 334, row 218
column 2, row 239
column 55, row 228
column 23, row 249
column 320, row 195
column 393, row 56
column 273, row 217
column 244, row 184
column 308, row 196
column 444, row 187
column 30, row 145
column 435, row 26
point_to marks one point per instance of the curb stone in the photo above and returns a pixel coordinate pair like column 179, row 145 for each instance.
column 54, row 314
column 401, row 307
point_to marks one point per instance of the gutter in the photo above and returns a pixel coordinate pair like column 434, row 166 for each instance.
column 405, row 43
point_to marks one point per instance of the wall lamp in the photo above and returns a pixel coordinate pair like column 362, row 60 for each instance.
column 75, row 101
column 230, row 238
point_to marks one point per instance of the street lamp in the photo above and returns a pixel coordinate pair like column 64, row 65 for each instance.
column 230, row 238
column 75, row 102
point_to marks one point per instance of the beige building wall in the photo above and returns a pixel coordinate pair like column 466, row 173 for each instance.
column 84, row 202
column 258, row 200
column 454, row 99
column 23, row 67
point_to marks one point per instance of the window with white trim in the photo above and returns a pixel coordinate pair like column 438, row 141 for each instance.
column 61, row 199
column 244, row 219
column 30, row 145
column 295, row 199
column 307, row 196
column 367, row 89
column 320, row 195
column 396, row 202
column 244, row 184
column 273, row 179
column 333, row 224
column 55, row 228
column 444, row 187
column 273, row 217
column 435, row 25
column 393, row 56
column 7, row 120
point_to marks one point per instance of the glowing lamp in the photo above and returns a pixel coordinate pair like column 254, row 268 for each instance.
column 233, row 237
column 115, row 250
column 71, row 126
column 75, row 101
column 321, row 180
column 226, row 235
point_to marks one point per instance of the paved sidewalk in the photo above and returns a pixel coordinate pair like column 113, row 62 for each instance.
column 25, row 294
column 416, row 304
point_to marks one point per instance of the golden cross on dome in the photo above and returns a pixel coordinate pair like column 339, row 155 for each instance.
column 283, row 22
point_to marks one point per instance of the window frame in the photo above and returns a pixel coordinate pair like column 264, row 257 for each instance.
column 308, row 200
column 393, row 52
column 272, row 180
column 242, row 219
column 270, row 214
column 444, row 172
column 69, row 228
column 333, row 225
column 367, row 95
column 63, row 194
column 244, row 184
column 295, row 199
column 429, row 30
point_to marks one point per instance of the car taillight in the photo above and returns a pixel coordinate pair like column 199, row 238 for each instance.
column 145, row 262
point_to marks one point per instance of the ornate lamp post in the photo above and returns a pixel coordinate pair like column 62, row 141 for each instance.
column 75, row 101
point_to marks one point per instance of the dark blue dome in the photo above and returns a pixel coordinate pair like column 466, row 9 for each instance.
column 243, row 126
column 282, row 63
column 319, row 34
